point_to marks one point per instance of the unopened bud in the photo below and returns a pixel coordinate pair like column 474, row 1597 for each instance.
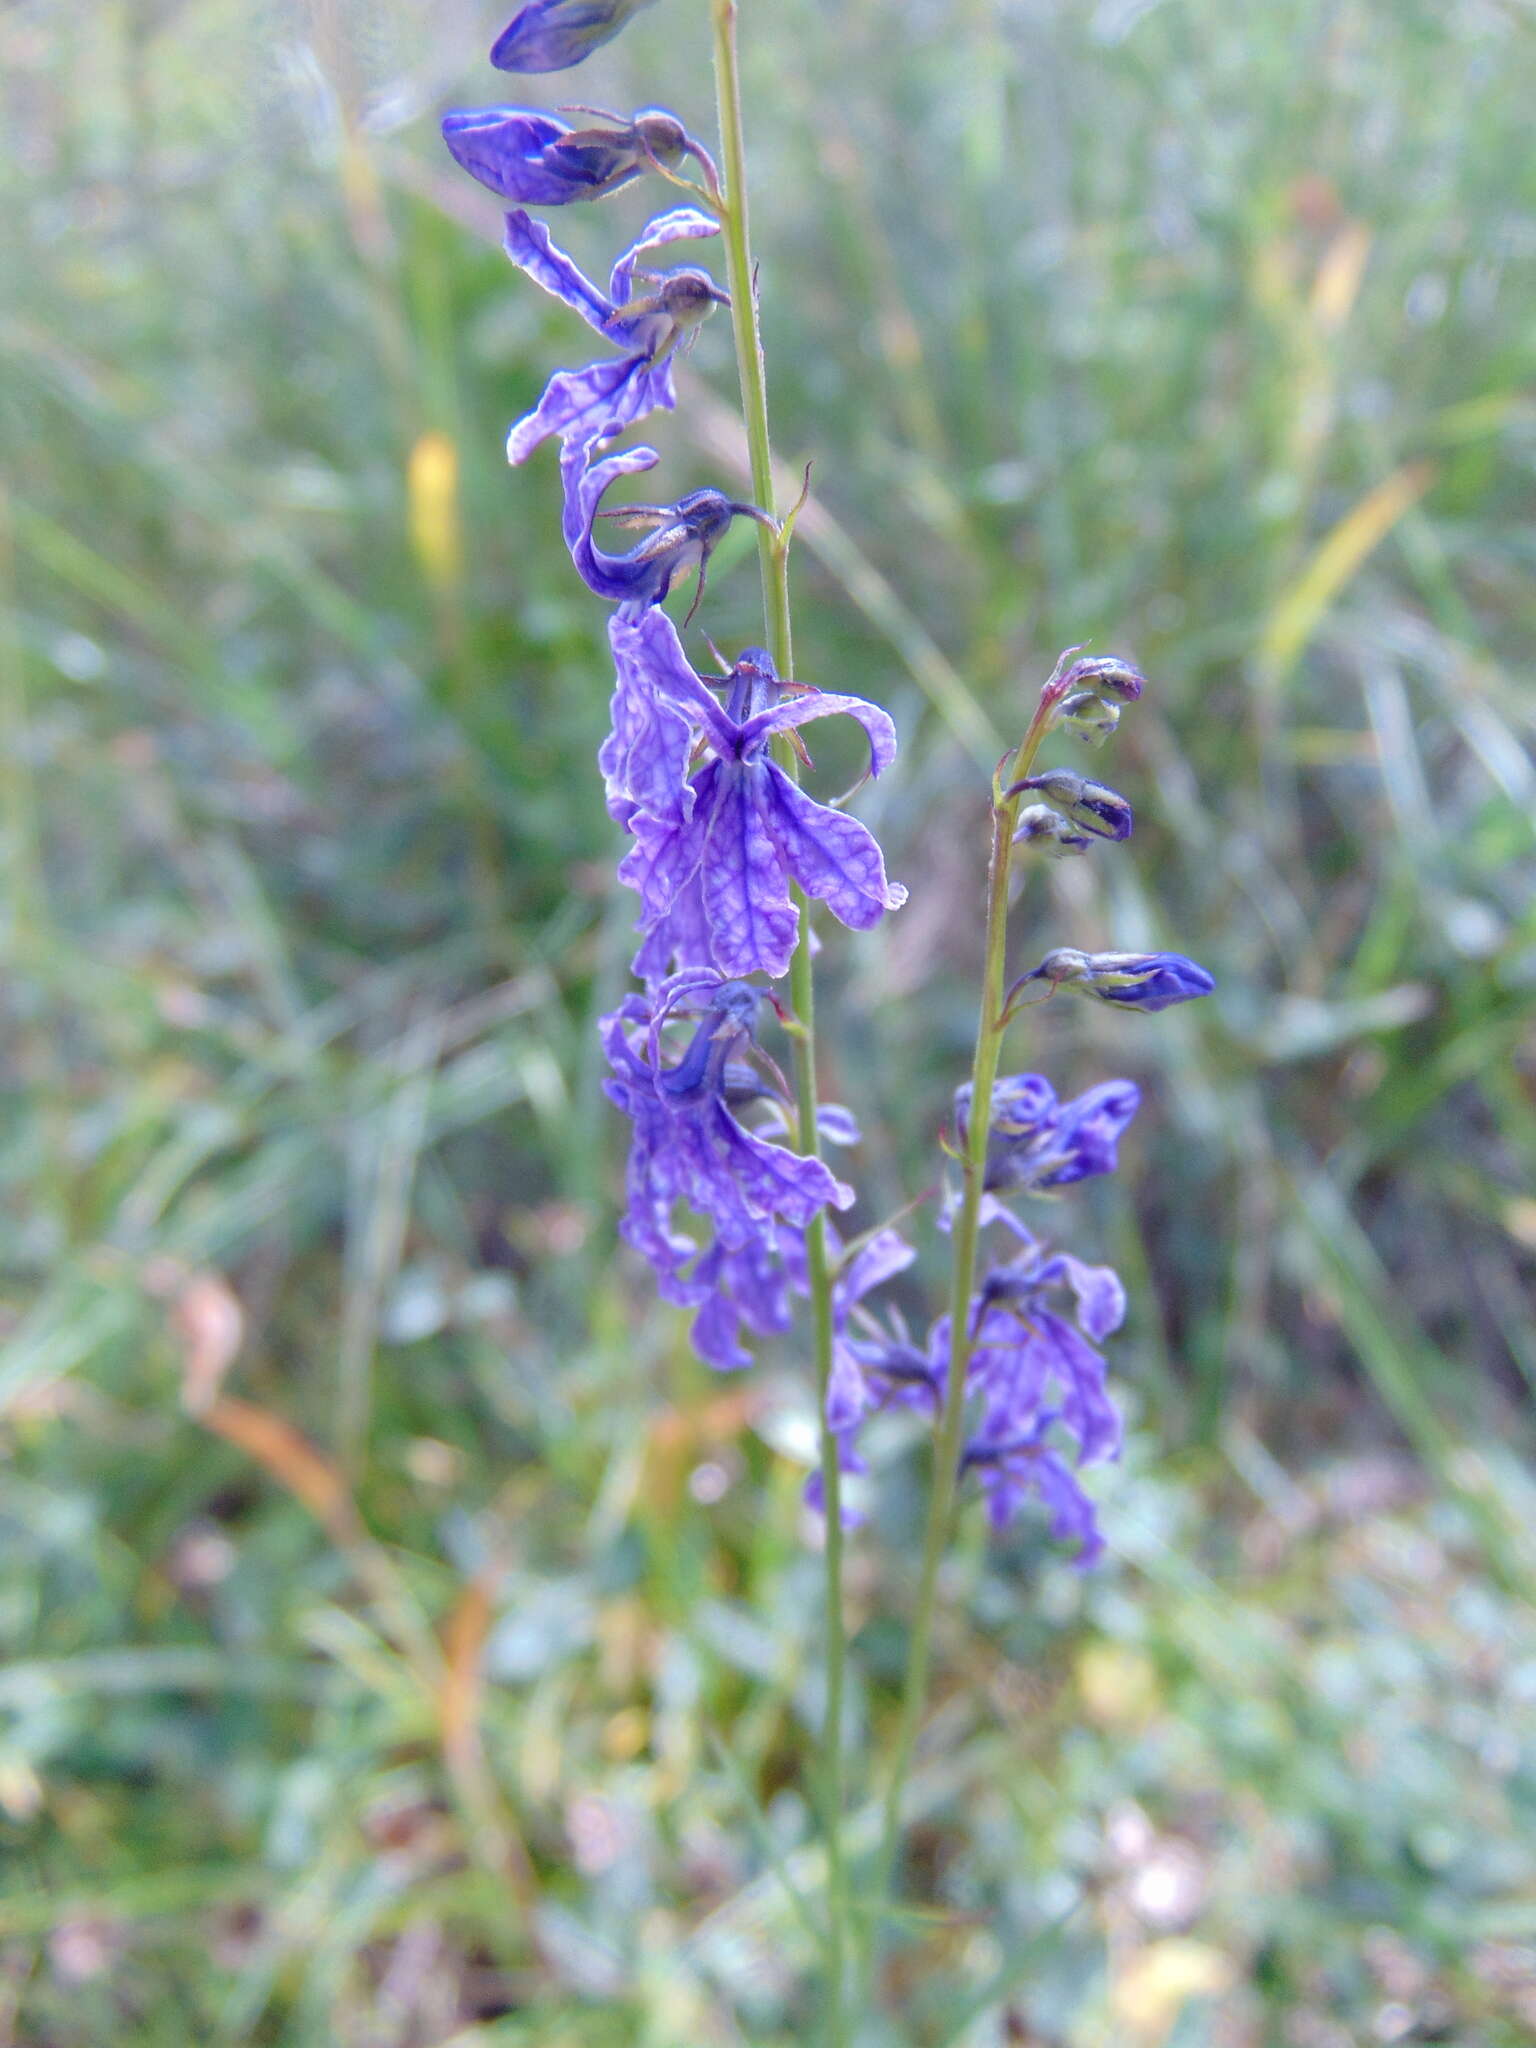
column 1109, row 676
column 1047, row 833
column 1090, row 805
column 1089, row 717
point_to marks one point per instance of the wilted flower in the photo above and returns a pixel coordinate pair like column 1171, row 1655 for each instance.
column 1036, row 1142
column 683, row 538
column 1136, row 981
column 552, row 35
column 593, row 404
column 537, row 159
column 1091, row 806
column 752, row 830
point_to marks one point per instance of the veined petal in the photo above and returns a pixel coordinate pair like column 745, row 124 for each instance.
column 825, row 704
column 527, row 242
column 587, row 407
column 665, row 856
column 752, row 922
column 681, row 224
column 832, row 856
column 681, row 937
column 777, row 1182
column 657, row 650
column 644, row 759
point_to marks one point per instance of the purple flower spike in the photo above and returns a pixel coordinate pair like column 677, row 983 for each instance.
column 684, row 535
column 537, row 160
column 553, row 35
column 689, row 1146
column 1134, row 981
column 753, row 831
column 593, row 404
column 1037, row 1142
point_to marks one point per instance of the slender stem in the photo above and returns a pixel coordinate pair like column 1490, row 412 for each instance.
column 773, row 556
column 990, row 1028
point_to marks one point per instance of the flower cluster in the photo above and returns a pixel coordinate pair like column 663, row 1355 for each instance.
column 1033, row 1379
column 721, row 835
column 725, row 849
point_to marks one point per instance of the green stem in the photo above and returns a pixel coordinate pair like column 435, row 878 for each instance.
column 990, row 1029
column 773, row 556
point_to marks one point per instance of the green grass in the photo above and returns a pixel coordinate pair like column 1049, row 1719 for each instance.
column 451, row 1681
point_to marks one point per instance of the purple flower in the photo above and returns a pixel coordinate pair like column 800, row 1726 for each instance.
column 689, row 1146
column 537, row 160
column 858, row 1363
column 552, row 35
column 752, row 830
column 593, row 404
column 685, row 535
column 1037, row 1142
column 1011, row 1467
column 1091, row 806
column 1134, row 981
column 751, row 1287
column 644, row 760
column 1026, row 1357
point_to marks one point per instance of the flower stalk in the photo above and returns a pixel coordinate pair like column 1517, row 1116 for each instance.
column 773, row 558
column 991, row 1025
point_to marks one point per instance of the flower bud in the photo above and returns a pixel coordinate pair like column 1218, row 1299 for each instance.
column 1089, row 717
column 1108, row 676
column 1090, row 805
column 1047, row 833
column 552, row 35
column 1133, row 981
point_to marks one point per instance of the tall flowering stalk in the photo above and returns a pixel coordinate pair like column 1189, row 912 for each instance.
column 727, row 855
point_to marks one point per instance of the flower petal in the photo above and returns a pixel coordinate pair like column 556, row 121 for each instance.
column 586, row 407
column 644, row 759
column 752, row 923
column 825, row 704
column 527, row 242
column 832, row 856
column 681, row 224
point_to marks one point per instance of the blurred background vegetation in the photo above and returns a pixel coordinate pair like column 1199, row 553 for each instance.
column 406, row 1643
